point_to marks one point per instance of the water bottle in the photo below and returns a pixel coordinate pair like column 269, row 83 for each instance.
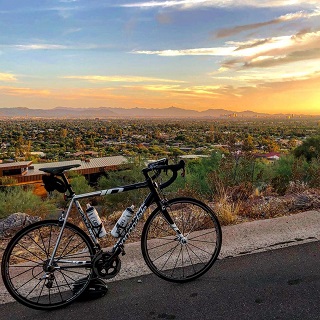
column 119, row 228
column 95, row 221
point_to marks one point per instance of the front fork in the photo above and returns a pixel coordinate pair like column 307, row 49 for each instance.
column 168, row 218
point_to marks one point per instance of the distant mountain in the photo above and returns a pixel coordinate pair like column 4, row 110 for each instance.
column 105, row 113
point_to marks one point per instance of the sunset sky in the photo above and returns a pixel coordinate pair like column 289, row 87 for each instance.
column 259, row 55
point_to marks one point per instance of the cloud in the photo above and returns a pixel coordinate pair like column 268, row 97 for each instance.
column 270, row 61
column 254, row 77
column 72, row 30
column 40, row 47
column 189, row 4
column 200, row 91
column 18, row 91
column 97, row 78
column 257, row 52
column 7, row 77
column 218, row 51
column 288, row 17
column 48, row 46
column 65, row 10
column 304, row 45
column 157, row 87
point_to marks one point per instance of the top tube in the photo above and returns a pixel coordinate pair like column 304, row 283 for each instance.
column 157, row 167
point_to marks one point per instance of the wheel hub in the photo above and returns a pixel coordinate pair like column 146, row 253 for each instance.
column 49, row 268
column 183, row 240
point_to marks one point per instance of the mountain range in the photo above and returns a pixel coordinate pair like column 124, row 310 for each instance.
column 105, row 113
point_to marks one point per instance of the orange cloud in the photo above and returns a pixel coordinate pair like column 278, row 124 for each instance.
column 7, row 77
column 97, row 78
column 17, row 91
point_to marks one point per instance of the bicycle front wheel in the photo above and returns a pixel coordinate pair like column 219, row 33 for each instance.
column 188, row 256
column 32, row 280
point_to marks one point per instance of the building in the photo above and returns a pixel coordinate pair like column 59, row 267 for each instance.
column 27, row 172
column 269, row 156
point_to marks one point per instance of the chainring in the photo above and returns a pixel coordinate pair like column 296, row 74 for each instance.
column 106, row 267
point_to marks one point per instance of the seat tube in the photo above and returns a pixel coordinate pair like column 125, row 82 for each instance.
column 54, row 251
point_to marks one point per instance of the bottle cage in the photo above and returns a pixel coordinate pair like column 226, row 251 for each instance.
column 52, row 183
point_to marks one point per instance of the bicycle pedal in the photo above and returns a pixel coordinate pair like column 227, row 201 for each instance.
column 96, row 289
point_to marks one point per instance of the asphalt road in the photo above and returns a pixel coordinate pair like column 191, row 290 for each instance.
column 278, row 284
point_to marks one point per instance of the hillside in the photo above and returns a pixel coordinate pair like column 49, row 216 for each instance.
column 105, row 113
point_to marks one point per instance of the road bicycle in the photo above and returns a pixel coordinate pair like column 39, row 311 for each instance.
column 51, row 263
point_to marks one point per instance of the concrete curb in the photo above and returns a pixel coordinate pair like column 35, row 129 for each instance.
column 244, row 238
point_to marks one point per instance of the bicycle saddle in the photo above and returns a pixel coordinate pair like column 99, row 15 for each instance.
column 59, row 170
column 51, row 182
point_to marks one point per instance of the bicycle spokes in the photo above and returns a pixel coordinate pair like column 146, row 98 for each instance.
column 37, row 279
column 186, row 255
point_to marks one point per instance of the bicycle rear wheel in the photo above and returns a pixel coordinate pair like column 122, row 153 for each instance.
column 25, row 262
column 181, row 259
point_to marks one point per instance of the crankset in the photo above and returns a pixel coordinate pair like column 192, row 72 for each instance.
column 105, row 266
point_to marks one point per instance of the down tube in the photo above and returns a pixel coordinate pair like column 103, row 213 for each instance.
column 147, row 202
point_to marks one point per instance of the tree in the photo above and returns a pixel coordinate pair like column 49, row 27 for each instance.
column 270, row 145
column 248, row 144
column 310, row 148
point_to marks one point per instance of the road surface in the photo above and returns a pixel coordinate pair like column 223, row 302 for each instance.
column 277, row 284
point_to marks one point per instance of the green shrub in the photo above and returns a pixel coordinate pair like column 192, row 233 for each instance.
column 309, row 149
column 198, row 176
column 282, row 174
column 7, row 180
column 80, row 184
column 313, row 173
column 115, row 179
column 16, row 199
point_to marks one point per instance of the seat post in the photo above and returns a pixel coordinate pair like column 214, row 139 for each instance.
column 66, row 181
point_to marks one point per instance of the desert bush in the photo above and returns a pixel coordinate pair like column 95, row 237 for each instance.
column 226, row 209
column 312, row 173
column 80, row 184
column 265, row 207
column 120, row 201
column 309, row 149
column 282, row 174
column 197, row 174
column 16, row 199
column 296, row 187
column 7, row 180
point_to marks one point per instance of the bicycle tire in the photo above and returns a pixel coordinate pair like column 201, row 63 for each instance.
column 28, row 253
column 174, row 260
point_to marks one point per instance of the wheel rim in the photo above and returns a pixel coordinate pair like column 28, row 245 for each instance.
column 185, row 257
column 32, row 282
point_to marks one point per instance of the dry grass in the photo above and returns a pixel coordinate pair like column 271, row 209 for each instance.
column 235, row 205
column 226, row 210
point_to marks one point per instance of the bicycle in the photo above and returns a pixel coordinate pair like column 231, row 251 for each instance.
column 50, row 263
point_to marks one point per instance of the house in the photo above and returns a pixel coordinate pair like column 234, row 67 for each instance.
column 14, row 169
column 27, row 172
column 272, row 156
